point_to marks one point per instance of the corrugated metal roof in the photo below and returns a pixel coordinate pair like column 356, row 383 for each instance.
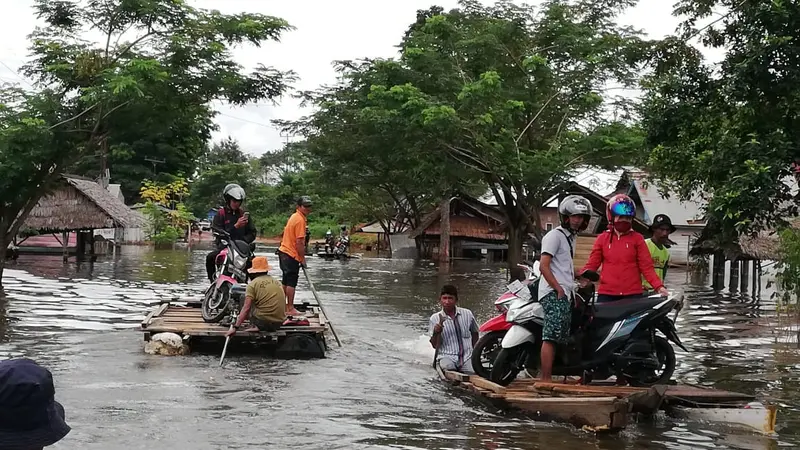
column 682, row 214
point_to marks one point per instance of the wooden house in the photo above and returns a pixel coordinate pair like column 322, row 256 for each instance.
column 477, row 230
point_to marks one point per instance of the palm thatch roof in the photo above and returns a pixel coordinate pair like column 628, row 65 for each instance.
column 81, row 204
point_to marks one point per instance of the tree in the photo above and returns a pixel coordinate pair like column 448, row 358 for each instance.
column 121, row 99
column 512, row 92
column 206, row 190
column 226, row 151
column 730, row 131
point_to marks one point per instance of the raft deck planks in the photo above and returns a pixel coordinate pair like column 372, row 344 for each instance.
column 602, row 406
column 188, row 321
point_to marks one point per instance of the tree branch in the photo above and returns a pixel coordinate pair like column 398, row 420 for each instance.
column 516, row 141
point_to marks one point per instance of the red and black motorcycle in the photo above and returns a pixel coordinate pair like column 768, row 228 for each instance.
column 494, row 330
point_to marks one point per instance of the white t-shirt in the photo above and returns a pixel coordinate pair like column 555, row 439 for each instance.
column 560, row 244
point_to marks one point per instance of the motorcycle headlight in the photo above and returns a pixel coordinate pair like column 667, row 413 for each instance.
column 239, row 261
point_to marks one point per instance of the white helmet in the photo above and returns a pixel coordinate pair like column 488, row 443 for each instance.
column 575, row 205
column 233, row 192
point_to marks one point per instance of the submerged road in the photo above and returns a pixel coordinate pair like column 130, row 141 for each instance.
column 378, row 391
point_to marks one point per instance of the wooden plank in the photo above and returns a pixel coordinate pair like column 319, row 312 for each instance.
column 456, row 376
column 486, row 384
column 597, row 412
column 579, row 389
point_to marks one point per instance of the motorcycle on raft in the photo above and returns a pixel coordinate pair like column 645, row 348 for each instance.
column 231, row 263
column 615, row 338
column 494, row 330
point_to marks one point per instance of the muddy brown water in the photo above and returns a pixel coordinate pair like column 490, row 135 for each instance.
column 378, row 391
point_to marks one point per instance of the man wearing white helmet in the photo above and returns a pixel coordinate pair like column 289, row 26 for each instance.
column 558, row 271
column 232, row 219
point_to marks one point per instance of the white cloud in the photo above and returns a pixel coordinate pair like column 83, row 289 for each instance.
column 325, row 31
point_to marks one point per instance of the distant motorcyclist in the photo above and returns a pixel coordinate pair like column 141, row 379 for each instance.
column 234, row 221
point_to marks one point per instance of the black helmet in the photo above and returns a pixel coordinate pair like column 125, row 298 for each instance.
column 304, row 200
column 575, row 205
column 233, row 192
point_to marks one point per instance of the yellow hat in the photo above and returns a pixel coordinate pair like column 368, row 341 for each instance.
column 260, row 265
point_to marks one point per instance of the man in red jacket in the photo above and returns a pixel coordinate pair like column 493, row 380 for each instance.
column 623, row 254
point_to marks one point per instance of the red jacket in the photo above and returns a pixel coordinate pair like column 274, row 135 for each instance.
column 625, row 258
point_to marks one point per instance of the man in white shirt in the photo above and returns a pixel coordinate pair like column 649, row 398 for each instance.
column 454, row 332
column 558, row 272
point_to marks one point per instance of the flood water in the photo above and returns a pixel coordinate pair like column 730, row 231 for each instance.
column 378, row 391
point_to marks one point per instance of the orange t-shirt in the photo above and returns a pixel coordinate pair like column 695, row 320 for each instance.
column 294, row 230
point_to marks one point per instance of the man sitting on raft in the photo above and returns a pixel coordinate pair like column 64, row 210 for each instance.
column 264, row 301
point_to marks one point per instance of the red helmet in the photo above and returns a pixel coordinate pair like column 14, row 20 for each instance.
column 620, row 205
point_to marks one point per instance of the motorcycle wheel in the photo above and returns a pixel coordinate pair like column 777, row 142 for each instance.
column 215, row 307
column 507, row 365
column 666, row 357
column 485, row 352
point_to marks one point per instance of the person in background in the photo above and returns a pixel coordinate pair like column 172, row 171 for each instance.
column 453, row 332
column 292, row 252
column 264, row 300
column 30, row 417
column 234, row 221
column 558, row 272
column 659, row 251
column 623, row 254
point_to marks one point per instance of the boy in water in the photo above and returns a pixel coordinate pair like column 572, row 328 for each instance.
column 661, row 228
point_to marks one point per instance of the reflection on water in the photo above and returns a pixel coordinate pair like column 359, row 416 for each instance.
column 378, row 391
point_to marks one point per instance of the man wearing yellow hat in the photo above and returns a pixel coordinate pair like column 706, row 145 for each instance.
column 264, row 300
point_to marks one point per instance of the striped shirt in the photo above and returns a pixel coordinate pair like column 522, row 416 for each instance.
column 456, row 338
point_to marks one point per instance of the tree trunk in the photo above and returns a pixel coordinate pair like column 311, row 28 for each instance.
column 516, row 236
column 444, row 231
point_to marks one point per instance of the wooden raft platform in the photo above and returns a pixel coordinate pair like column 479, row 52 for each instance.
column 188, row 321
column 604, row 406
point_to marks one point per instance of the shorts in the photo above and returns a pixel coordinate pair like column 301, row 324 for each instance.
column 450, row 363
column 557, row 318
column 290, row 268
column 264, row 325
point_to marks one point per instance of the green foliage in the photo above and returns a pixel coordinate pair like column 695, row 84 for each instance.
column 789, row 266
column 150, row 78
column 729, row 130
column 504, row 97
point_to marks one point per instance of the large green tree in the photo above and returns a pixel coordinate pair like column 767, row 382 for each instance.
column 143, row 91
column 509, row 93
column 729, row 130
column 171, row 58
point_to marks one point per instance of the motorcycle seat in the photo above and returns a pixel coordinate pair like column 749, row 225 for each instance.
column 242, row 247
column 625, row 307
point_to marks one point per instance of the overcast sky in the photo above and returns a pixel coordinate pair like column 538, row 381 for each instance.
column 325, row 31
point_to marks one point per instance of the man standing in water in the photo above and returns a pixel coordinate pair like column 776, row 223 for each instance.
column 454, row 332
column 661, row 228
column 558, row 272
column 292, row 252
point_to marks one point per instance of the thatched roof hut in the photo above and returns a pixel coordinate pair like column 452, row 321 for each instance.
column 81, row 204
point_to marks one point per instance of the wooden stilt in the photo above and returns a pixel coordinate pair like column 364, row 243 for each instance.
column 65, row 244
column 718, row 271
column 733, row 282
column 744, row 273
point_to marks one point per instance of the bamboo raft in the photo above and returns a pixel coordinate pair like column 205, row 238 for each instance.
column 603, row 406
column 187, row 321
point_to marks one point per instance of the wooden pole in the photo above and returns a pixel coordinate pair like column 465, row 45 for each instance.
column 718, row 271
column 65, row 244
column 733, row 283
column 744, row 275
column 444, row 231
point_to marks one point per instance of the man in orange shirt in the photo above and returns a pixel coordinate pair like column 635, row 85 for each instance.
column 292, row 253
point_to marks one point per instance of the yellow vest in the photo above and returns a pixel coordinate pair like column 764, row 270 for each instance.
column 660, row 261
